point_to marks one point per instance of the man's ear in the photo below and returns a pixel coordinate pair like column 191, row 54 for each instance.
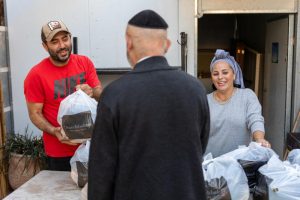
column 167, row 45
column 45, row 46
column 129, row 44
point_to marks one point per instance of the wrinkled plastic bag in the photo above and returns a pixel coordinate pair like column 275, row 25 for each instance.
column 294, row 156
column 251, row 171
column 283, row 179
column 251, row 158
column 79, row 164
column 84, row 192
column 217, row 189
column 261, row 191
column 254, row 152
column 231, row 170
column 77, row 114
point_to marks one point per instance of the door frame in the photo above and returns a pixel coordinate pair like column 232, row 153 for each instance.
column 289, row 73
column 293, row 56
column 296, row 70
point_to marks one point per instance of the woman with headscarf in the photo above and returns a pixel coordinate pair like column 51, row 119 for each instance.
column 235, row 111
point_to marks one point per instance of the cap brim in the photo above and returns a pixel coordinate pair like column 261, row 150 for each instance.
column 53, row 33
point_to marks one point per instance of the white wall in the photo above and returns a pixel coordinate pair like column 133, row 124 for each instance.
column 99, row 26
column 108, row 20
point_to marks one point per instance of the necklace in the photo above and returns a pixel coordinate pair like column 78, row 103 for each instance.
column 226, row 100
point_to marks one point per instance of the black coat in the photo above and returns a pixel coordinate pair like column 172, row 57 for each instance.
column 150, row 134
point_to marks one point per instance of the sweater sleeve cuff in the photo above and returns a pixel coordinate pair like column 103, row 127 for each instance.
column 257, row 127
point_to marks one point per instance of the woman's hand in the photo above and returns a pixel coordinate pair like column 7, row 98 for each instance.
column 259, row 137
column 263, row 142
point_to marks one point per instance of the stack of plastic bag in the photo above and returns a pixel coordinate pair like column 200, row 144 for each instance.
column 251, row 158
column 217, row 189
column 77, row 114
column 79, row 164
column 283, row 178
column 225, row 179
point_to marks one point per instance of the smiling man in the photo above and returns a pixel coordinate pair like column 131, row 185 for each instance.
column 49, row 82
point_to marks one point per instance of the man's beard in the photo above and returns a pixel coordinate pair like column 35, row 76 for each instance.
column 55, row 55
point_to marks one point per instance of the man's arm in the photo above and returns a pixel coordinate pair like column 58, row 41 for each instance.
column 35, row 111
column 97, row 92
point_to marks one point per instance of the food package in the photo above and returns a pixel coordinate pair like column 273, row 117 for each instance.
column 79, row 164
column 76, row 115
column 231, row 171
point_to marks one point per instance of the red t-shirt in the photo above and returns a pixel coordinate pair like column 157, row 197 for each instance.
column 49, row 84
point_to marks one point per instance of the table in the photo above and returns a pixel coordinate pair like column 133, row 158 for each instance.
column 52, row 185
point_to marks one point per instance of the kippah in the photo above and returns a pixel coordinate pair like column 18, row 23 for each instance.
column 148, row 19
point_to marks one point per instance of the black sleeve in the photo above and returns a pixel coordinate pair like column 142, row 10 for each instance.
column 205, row 123
column 103, row 156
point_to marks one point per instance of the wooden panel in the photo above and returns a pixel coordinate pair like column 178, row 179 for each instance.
column 1, row 13
column 3, row 164
column 2, row 117
column 247, row 6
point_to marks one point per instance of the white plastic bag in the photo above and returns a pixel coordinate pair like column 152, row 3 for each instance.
column 283, row 179
column 231, row 170
column 75, row 103
column 76, row 115
column 79, row 164
column 251, row 158
column 84, row 192
column 294, row 156
column 254, row 152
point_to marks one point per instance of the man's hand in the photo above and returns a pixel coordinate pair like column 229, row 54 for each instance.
column 57, row 131
column 92, row 92
column 86, row 88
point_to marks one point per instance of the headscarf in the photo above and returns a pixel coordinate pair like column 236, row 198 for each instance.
column 221, row 55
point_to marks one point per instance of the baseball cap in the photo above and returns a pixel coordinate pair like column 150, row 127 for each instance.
column 51, row 28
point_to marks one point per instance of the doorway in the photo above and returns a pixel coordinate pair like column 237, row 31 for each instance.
column 248, row 38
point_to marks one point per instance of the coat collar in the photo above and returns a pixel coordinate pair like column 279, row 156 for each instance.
column 152, row 64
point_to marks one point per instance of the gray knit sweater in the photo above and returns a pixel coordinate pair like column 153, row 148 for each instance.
column 233, row 123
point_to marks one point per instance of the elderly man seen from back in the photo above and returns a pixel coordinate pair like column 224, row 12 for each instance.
column 152, row 125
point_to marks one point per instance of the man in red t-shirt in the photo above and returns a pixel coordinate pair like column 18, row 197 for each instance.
column 49, row 82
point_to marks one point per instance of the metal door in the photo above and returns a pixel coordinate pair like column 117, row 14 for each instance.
column 275, row 82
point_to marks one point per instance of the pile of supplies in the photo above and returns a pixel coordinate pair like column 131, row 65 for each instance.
column 77, row 115
column 252, row 172
column 248, row 172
